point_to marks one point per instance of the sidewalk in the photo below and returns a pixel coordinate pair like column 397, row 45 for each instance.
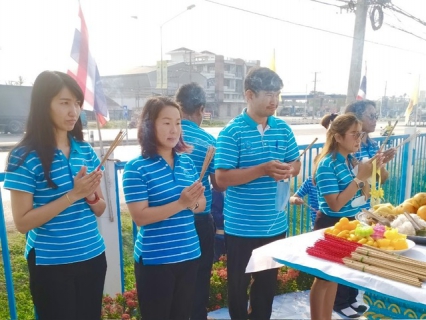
column 293, row 305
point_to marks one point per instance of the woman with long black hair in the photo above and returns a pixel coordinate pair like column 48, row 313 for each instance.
column 56, row 197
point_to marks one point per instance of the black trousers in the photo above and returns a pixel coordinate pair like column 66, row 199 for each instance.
column 264, row 283
column 204, row 225
column 345, row 296
column 68, row 291
column 166, row 291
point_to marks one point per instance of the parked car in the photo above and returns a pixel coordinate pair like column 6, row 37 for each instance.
column 14, row 108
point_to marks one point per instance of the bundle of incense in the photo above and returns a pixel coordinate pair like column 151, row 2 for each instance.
column 120, row 136
column 382, row 272
column 369, row 259
column 307, row 148
column 388, row 264
column 387, row 138
column 209, row 156
column 408, row 139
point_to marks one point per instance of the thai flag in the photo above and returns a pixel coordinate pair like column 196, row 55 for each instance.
column 86, row 73
column 362, row 93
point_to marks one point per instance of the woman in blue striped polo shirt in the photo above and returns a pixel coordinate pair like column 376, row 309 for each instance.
column 365, row 111
column 55, row 201
column 338, row 187
column 162, row 194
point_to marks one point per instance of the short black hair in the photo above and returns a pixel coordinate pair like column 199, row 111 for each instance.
column 358, row 107
column 262, row 79
column 191, row 97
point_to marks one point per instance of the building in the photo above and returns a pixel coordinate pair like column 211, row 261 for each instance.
column 314, row 104
column 221, row 77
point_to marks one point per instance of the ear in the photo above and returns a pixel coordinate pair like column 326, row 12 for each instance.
column 338, row 138
column 249, row 95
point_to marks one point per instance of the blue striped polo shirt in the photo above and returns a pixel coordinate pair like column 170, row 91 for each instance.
column 250, row 209
column 73, row 235
column 367, row 150
column 174, row 239
column 332, row 177
column 200, row 140
column 308, row 188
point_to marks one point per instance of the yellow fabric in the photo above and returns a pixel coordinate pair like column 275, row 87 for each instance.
column 376, row 194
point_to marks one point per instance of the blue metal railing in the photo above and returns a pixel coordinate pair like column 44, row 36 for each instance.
column 299, row 217
column 6, row 261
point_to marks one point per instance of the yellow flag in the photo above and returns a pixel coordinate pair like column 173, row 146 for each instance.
column 272, row 66
column 272, row 63
column 414, row 100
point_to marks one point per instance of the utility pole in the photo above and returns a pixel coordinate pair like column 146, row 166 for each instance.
column 315, row 82
column 357, row 50
column 315, row 94
column 383, row 99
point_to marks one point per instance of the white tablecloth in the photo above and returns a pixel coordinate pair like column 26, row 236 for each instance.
column 292, row 252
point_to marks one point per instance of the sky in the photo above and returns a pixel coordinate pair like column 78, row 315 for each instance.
column 36, row 35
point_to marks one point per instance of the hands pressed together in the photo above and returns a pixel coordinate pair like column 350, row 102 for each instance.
column 85, row 184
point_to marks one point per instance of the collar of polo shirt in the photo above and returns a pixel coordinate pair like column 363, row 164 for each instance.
column 74, row 146
column 271, row 122
column 189, row 122
column 341, row 158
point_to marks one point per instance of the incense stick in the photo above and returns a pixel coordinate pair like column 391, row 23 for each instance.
column 307, row 204
column 408, row 139
column 387, row 138
column 209, row 156
column 120, row 136
column 307, row 148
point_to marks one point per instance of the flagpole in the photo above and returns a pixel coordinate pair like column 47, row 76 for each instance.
column 418, row 102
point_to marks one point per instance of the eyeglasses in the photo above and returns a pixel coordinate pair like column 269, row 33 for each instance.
column 357, row 135
column 372, row 116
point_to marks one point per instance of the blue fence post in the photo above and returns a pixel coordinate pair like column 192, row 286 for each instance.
column 119, row 166
column 6, row 260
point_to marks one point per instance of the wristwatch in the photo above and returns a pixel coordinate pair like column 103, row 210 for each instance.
column 359, row 183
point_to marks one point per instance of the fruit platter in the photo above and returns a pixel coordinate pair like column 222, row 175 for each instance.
column 408, row 218
column 378, row 236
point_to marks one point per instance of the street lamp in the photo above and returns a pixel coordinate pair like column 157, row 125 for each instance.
column 161, row 42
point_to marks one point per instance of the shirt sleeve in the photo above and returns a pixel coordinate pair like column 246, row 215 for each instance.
column 292, row 152
column 303, row 189
column 227, row 153
column 326, row 180
column 134, row 184
column 21, row 176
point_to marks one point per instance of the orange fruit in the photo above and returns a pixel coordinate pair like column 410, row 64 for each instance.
column 413, row 202
column 420, row 198
column 409, row 207
column 421, row 212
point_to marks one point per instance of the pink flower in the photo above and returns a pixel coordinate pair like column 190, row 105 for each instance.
column 108, row 299
column 219, row 296
column 125, row 316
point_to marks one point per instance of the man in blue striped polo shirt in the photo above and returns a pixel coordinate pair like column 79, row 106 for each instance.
column 256, row 152
column 192, row 98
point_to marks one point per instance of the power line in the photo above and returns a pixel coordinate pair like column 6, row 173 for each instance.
column 401, row 11
column 311, row 27
column 403, row 30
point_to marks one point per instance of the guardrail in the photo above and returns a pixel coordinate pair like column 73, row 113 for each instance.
column 299, row 220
